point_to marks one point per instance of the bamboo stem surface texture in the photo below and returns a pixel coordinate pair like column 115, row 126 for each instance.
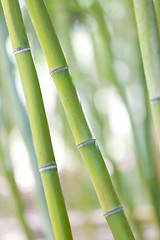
column 84, row 137
column 38, row 121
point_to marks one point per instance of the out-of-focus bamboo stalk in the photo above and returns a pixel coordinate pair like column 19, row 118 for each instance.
column 149, row 44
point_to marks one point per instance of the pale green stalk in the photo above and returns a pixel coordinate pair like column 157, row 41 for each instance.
column 83, row 136
column 38, row 121
column 149, row 44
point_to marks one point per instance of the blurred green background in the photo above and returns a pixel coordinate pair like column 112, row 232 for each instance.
column 100, row 42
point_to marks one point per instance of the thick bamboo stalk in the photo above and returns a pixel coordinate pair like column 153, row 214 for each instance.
column 84, row 137
column 38, row 121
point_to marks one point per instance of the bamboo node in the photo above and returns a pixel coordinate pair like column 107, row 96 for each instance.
column 86, row 142
column 21, row 49
column 155, row 100
column 58, row 69
column 48, row 167
column 115, row 210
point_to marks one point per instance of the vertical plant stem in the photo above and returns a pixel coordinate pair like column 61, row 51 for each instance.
column 38, row 121
column 149, row 44
column 84, row 138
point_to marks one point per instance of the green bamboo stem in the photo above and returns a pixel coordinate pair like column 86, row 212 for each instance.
column 83, row 136
column 149, row 44
column 38, row 121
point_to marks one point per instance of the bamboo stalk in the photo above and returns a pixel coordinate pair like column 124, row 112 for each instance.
column 149, row 44
column 38, row 121
column 84, row 138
